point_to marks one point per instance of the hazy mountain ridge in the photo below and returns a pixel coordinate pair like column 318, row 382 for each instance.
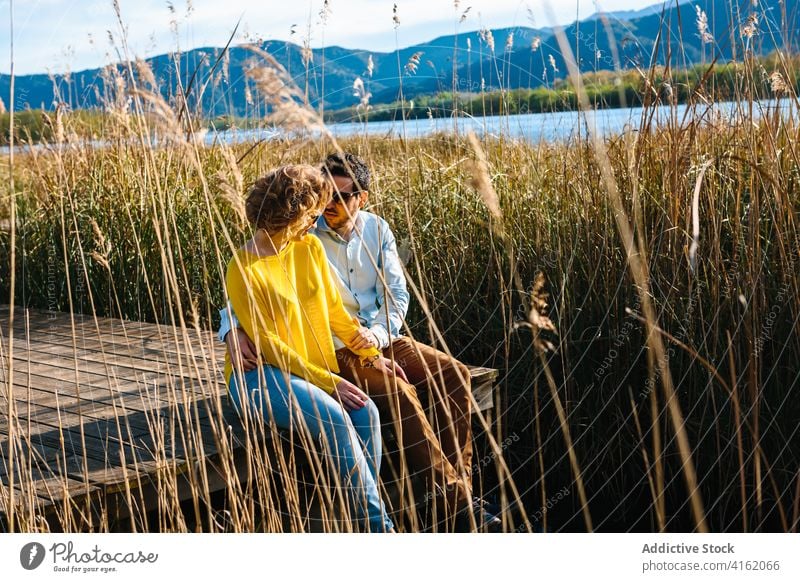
column 510, row 64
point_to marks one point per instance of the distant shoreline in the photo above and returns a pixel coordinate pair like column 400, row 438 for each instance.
column 533, row 127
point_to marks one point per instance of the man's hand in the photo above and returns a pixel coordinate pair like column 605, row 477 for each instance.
column 244, row 356
column 350, row 395
column 365, row 339
column 390, row 367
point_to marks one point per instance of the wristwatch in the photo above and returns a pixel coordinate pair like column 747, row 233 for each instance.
column 370, row 361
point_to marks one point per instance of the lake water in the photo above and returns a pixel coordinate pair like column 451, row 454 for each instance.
column 536, row 127
column 533, row 127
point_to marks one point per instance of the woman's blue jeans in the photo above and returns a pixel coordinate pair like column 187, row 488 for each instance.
column 353, row 437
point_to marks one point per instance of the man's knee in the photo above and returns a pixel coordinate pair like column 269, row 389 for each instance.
column 380, row 384
column 461, row 372
column 457, row 381
column 402, row 394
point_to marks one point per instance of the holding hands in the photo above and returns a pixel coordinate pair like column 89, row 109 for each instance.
column 365, row 339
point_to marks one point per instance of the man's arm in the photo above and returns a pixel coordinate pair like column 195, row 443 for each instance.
column 342, row 324
column 226, row 323
column 392, row 291
column 241, row 349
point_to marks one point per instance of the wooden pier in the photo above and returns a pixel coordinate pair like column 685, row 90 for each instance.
column 106, row 415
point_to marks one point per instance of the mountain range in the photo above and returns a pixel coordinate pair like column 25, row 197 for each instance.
column 468, row 62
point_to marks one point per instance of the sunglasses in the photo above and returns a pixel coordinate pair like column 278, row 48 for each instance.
column 342, row 197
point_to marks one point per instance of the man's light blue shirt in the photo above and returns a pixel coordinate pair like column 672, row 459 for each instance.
column 368, row 273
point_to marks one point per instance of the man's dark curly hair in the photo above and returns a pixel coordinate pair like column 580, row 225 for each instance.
column 348, row 165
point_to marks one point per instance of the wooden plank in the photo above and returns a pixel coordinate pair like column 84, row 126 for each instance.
column 43, row 487
column 36, row 417
column 75, row 433
column 145, row 390
column 149, row 351
column 51, row 483
column 123, row 344
column 141, row 377
column 482, row 382
column 46, row 391
column 87, row 336
column 153, row 389
column 94, row 359
column 44, row 321
column 194, row 411
column 177, row 427
column 71, row 434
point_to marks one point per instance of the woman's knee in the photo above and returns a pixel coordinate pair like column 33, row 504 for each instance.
column 366, row 416
column 373, row 413
column 330, row 411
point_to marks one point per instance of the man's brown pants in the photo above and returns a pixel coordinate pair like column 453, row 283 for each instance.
column 442, row 450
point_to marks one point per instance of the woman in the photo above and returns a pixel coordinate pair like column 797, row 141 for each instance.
column 280, row 287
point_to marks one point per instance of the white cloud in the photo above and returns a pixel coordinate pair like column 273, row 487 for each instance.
column 55, row 34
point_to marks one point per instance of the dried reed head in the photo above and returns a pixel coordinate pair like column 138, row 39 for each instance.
column 413, row 63
column 702, row 26
column 283, row 97
column 537, row 320
column 480, row 179
column 145, row 74
column 778, row 84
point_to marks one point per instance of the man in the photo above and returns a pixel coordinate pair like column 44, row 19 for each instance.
column 362, row 252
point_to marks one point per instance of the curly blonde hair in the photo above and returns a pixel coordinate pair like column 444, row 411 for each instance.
column 286, row 197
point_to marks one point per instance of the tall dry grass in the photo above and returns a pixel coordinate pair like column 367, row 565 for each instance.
column 670, row 253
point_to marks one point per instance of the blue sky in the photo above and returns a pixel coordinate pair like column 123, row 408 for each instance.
column 72, row 35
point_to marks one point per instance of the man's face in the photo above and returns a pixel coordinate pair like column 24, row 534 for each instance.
column 345, row 203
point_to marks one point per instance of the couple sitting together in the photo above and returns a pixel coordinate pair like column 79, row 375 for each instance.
column 317, row 299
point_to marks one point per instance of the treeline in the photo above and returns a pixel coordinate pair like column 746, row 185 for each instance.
column 604, row 89
column 41, row 126
column 37, row 125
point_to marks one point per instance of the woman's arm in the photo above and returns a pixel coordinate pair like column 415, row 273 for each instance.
column 257, row 325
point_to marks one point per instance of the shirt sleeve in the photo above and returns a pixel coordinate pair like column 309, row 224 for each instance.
column 342, row 324
column 381, row 335
column 226, row 323
column 391, row 287
column 253, row 319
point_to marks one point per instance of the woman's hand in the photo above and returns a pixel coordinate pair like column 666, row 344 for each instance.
column 364, row 339
column 350, row 395
column 390, row 367
column 243, row 355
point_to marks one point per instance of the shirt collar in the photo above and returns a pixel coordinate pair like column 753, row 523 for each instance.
column 322, row 226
